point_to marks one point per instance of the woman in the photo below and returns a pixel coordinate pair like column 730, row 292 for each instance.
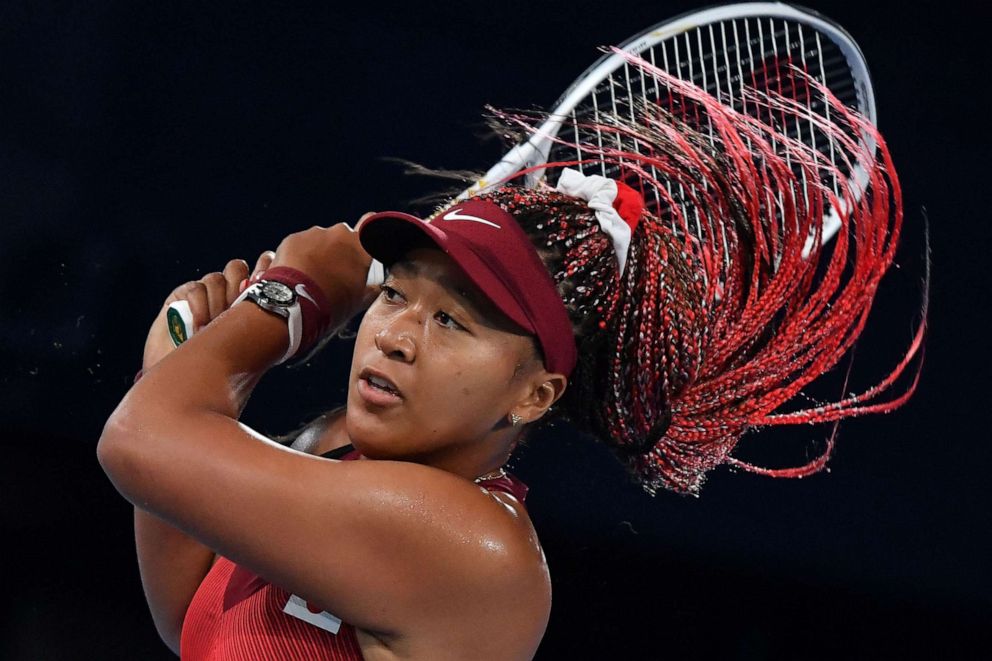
column 416, row 585
column 392, row 530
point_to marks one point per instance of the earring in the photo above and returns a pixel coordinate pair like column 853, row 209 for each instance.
column 515, row 419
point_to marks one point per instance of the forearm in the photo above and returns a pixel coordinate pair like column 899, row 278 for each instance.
column 216, row 370
column 165, row 419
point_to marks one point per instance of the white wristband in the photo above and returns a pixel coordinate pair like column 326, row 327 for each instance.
column 293, row 316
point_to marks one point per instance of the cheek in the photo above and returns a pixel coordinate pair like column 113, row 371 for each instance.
column 364, row 337
column 466, row 385
column 480, row 383
column 369, row 325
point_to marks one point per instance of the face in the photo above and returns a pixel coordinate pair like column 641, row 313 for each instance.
column 436, row 368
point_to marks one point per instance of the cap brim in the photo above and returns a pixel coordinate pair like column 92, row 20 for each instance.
column 389, row 235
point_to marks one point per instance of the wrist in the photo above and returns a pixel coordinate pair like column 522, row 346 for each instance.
column 292, row 295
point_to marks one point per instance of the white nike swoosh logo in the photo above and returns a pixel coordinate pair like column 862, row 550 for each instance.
column 301, row 290
column 455, row 215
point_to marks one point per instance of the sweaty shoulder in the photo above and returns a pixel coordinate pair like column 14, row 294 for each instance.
column 472, row 567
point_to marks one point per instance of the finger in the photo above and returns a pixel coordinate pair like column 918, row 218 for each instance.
column 195, row 294
column 264, row 261
column 216, row 285
column 234, row 274
column 178, row 294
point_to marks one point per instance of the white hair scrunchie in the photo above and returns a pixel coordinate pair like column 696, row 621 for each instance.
column 600, row 193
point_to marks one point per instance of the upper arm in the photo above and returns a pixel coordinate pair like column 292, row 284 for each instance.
column 172, row 566
column 377, row 543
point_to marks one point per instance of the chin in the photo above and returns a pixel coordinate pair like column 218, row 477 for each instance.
column 370, row 433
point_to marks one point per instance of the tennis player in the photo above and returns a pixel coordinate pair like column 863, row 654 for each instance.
column 391, row 529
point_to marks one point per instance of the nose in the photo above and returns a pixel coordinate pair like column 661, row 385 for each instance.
column 397, row 340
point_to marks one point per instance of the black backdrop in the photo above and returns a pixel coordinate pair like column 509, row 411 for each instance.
column 141, row 146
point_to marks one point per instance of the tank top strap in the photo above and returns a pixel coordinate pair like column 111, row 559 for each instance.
column 507, row 483
column 343, row 453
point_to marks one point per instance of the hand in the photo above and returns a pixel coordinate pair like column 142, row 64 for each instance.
column 335, row 260
column 208, row 297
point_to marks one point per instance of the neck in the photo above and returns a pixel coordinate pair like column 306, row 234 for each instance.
column 470, row 460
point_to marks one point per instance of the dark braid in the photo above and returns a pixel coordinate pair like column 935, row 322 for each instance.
column 730, row 304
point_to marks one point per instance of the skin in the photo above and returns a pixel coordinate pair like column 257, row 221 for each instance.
column 471, row 580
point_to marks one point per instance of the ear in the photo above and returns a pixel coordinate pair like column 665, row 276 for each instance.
column 545, row 389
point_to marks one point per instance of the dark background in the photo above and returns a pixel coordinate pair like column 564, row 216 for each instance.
column 143, row 146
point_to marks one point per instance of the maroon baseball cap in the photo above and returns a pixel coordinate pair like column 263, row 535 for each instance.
column 493, row 251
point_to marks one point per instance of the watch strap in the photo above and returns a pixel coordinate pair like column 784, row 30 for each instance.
column 308, row 317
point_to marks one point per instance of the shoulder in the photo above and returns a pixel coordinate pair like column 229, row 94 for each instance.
column 478, row 536
column 442, row 507
column 517, row 564
column 481, row 572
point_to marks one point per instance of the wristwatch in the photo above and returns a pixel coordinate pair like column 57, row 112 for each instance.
column 295, row 297
column 273, row 296
column 280, row 299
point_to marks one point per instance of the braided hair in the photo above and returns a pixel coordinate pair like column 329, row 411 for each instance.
column 730, row 303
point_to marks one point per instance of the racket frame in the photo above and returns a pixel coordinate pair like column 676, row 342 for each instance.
column 534, row 151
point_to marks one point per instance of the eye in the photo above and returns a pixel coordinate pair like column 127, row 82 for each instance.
column 448, row 321
column 389, row 294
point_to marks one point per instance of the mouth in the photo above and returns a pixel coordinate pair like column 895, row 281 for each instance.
column 377, row 389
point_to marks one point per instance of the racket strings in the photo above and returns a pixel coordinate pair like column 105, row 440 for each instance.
column 725, row 59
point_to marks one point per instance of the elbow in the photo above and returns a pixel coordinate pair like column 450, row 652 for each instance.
column 116, row 451
column 108, row 447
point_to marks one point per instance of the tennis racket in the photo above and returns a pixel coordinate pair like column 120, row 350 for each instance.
column 722, row 50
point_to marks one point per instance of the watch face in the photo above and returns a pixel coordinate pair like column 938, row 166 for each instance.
column 277, row 292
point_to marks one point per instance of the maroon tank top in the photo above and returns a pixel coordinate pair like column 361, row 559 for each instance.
column 236, row 615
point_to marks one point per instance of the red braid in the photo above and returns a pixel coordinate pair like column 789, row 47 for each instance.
column 730, row 304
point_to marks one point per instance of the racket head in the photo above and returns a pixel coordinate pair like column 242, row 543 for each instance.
column 723, row 50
